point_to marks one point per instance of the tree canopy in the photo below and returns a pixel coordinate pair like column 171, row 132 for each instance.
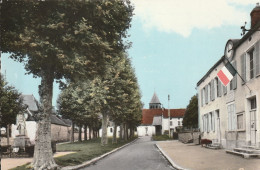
column 11, row 103
column 190, row 119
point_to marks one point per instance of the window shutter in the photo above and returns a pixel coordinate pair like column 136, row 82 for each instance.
column 206, row 95
column 213, row 89
column 257, row 58
column 224, row 89
column 235, row 78
column 213, row 120
column 201, row 97
column 219, row 88
column 202, row 128
column 243, row 67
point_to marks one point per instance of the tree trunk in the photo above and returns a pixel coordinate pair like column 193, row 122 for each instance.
column 114, row 134
column 104, row 139
column 72, row 132
column 89, row 133
column 131, row 132
column 80, row 133
column 43, row 156
column 8, row 134
column 85, row 132
column 125, row 132
column 121, row 132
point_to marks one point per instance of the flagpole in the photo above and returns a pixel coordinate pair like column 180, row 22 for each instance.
column 237, row 72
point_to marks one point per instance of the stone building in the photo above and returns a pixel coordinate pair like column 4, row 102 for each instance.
column 156, row 121
column 229, row 115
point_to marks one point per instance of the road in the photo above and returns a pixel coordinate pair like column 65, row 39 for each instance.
column 140, row 155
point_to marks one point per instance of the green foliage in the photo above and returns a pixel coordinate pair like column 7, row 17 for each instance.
column 72, row 38
column 190, row 119
column 11, row 103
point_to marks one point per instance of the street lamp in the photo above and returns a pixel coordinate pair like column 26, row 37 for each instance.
column 169, row 114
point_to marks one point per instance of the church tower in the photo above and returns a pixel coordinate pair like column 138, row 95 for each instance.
column 155, row 102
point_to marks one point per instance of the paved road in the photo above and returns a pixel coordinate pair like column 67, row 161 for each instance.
column 140, row 155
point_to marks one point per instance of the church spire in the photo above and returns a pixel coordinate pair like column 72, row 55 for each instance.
column 155, row 102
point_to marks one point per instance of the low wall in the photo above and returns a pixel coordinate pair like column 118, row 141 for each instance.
column 188, row 137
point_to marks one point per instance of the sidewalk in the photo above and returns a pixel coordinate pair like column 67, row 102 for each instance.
column 195, row 157
column 8, row 163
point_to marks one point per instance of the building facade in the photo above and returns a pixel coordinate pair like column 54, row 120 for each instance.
column 229, row 115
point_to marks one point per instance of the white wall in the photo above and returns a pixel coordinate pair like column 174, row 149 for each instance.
column 141, row 130
column 165, row 123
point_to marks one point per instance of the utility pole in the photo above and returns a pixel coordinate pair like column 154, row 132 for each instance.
column 169, row 114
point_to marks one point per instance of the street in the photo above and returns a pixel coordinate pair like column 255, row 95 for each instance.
column 140, row 155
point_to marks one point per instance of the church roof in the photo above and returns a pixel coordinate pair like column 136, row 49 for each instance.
column 30, row 101
column 155, row 99
column 149, row 114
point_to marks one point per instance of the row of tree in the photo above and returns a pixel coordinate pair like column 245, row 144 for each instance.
column 73, row 41
column 114, row 96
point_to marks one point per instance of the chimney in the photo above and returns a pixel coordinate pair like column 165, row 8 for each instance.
column 255, row 15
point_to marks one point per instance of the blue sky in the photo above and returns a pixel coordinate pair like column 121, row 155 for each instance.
column 174, row 45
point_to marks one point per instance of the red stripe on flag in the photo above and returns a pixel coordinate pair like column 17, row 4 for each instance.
column 223, row 78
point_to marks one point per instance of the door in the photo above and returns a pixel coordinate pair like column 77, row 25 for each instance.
column 253, row 127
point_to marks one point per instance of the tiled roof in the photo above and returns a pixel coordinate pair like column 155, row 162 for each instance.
column 148, row 114
column 155, row 99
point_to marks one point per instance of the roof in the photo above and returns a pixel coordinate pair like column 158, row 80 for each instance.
column 149, row 114
column 157, row 120
column 237, row 43
column 57, row 121
column 30, row 101
column 155, row 99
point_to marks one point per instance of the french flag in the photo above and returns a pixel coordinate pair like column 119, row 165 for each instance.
column 226, row 74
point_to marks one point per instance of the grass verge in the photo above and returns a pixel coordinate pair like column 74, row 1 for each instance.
column 86, row 150
column 161, row 138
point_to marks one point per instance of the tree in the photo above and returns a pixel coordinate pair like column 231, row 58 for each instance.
column 72, row 40
column 190, row 119
column 11, row 105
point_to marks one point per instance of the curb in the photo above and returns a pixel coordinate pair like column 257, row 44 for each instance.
column 174, row 165
column 87, row 163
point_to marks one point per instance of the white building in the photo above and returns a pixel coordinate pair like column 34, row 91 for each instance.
column 230, row 115
column 156, row 121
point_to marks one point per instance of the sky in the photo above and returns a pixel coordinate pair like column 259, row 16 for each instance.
column 174, row 44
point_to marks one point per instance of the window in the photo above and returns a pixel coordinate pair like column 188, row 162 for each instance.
column 170, row 123
column 251, row 63
column 211, row 121
column 253, row 103
column 111, row 130
column 179, row 123
column 240, row 121
column 231, row 117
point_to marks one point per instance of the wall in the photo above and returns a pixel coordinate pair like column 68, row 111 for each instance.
column 141, row 130
column 60, row 133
